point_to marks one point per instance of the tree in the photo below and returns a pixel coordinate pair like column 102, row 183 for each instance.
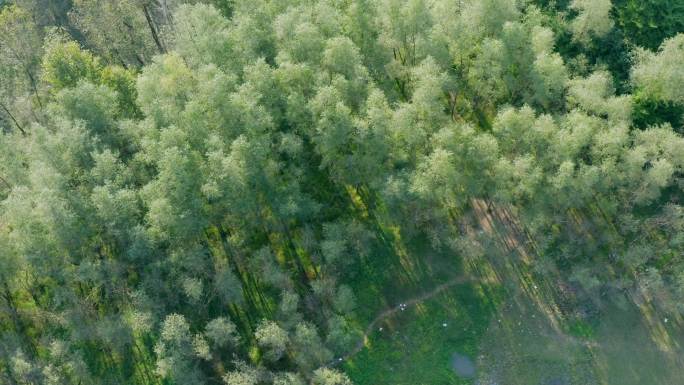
column 175, row 352
column 129, row 40
column 404, row 27
column 272, row 338
column 20, row 52
column 90, row 104
column 593, row 19
column 242, row 375
column 221, row 332
column 163, row 89
column 190, row 190
column 325, row 376
column 649, row 23
column 65, row 63
column 49, row 13
column 288, row 379
column 309, row 350
column 595, row 95
column 657, row 75
column 201, row 35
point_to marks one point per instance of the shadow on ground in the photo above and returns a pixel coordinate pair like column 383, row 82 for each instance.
column 503, row 325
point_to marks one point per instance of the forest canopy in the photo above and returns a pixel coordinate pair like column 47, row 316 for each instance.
column 192, row 192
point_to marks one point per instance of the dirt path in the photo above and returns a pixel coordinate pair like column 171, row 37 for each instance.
column 391, row 311
column 510, row 240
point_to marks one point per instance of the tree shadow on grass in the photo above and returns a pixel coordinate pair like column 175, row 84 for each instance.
column 531, row 341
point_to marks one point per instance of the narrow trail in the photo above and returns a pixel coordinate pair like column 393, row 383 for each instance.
column 391, row 311
column 510, row 240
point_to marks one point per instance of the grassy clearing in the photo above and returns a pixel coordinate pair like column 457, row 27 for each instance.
column 395, row 273
column 415, row 347
column 523, row 347
column 633, row 351
column 519, row 337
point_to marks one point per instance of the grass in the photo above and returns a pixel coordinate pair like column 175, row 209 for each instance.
column 580, row 329
column 514, row 337
column 415, row 348
column 638, row 348
column 395, row 272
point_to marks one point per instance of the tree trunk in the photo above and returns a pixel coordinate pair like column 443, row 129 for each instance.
column 35, row 88
column 7, row 111
column 153, row 30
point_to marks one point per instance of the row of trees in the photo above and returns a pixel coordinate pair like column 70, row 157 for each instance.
column 189, row 189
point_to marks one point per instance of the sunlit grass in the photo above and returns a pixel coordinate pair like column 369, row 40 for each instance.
column 414, row 347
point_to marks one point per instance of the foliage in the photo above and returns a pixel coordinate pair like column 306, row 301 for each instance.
column 195, row 192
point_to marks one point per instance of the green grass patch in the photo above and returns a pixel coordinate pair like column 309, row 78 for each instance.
column 580, row 328
column 416, row 348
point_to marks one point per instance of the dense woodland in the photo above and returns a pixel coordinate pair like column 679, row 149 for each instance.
column 188, row 189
